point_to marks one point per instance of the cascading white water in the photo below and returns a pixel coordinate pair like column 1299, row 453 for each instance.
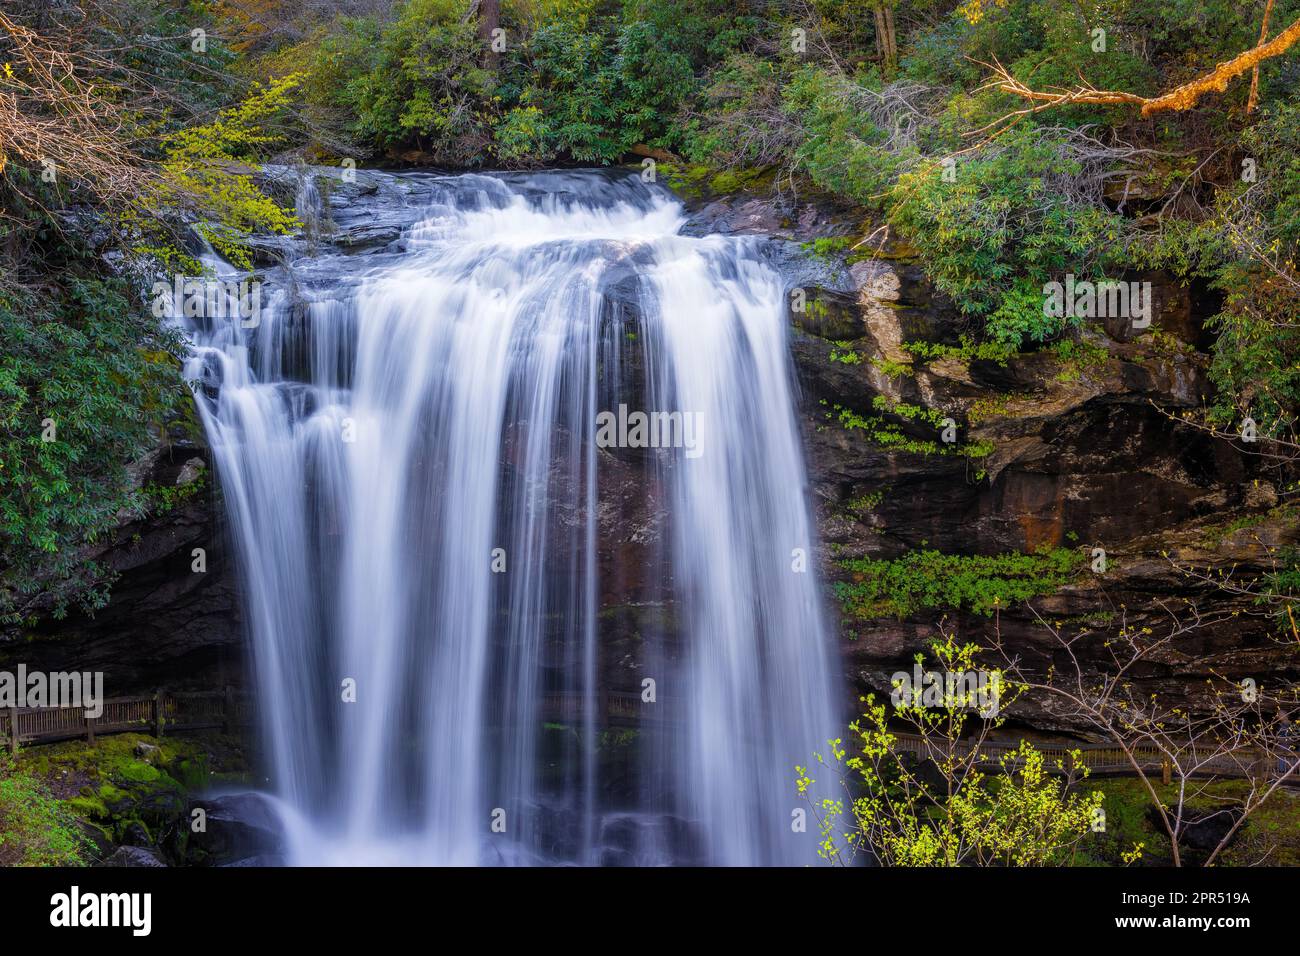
column 407, row 447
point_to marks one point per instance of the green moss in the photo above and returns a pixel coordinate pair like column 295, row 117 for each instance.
column 688, row 180
column 137, row 771
column 1272, row 834
column 932, row 580
column 192, row 772
column 829, row 247
column 107, row 795
column 737, row 180
column 123, row 790
column 36, row 829
column 1285, row 515
column 87, row 806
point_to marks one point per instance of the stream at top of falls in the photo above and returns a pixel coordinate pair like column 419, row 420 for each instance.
column 487, row 629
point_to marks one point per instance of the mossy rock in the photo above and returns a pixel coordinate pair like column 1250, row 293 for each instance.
column 191, row 772
column 137, row 771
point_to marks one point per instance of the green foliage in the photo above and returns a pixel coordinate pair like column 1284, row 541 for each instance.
column 88, row 381
column 160, row 499
column 132, row 782
column 1272, row 832
column 425, row 84
column 891, row 436
column 36, row 829
column 86, row 369
column 892, row 369
column 885, row 434
column 967, row 351
column 1280, row 588
column 590, row 86
column 572, row 101
column 932, row 580
column 1077, row 357
column 949, row 811
column 841, row 148
column 195, row 82
column 746, row 123
column 1256, row 362
column 994, row 235
column 1065, row 51
column 206, row 170
column 844, row 355
column 584, row 81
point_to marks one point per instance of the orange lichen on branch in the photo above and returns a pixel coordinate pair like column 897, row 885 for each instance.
column 1182, row 97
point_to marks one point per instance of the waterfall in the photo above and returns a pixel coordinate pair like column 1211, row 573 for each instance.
column 562, row 649
column 308, row 204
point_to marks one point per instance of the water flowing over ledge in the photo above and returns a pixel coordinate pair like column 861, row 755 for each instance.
column 407, row 443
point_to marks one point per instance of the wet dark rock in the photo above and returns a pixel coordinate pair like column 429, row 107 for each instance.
column 239, row 827
column 135, row 835
column 165, row 625
column 1208, row 830
column 133, row 856
column 261, row 860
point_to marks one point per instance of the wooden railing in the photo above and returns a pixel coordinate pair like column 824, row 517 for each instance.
column 159, row 713
column 176, row 712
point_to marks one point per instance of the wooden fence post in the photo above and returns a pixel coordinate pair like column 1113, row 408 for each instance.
column 13, row 730
column 1166, row 771
column 158, row 712
column 90, row 728
column 1261, row 766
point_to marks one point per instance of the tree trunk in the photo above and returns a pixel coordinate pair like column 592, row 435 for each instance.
column 1254, row 76
column 886, row 38
column 489, row 19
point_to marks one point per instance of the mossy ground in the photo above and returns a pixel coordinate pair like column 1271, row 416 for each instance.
column 132, row 787
column 697, row 181
column 1271, row 836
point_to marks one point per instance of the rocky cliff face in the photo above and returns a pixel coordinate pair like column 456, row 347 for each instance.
column 166, row 623
column 1076, row 448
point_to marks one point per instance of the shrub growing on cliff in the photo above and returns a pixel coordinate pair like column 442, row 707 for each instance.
column 1256, row 362
column 842, row 149
column 932, row 803
column 1002, row 223
column 933, row 580
column 206, row 172
column 85, row 378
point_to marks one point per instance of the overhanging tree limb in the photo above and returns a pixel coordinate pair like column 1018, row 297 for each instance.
column 1180, row 98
